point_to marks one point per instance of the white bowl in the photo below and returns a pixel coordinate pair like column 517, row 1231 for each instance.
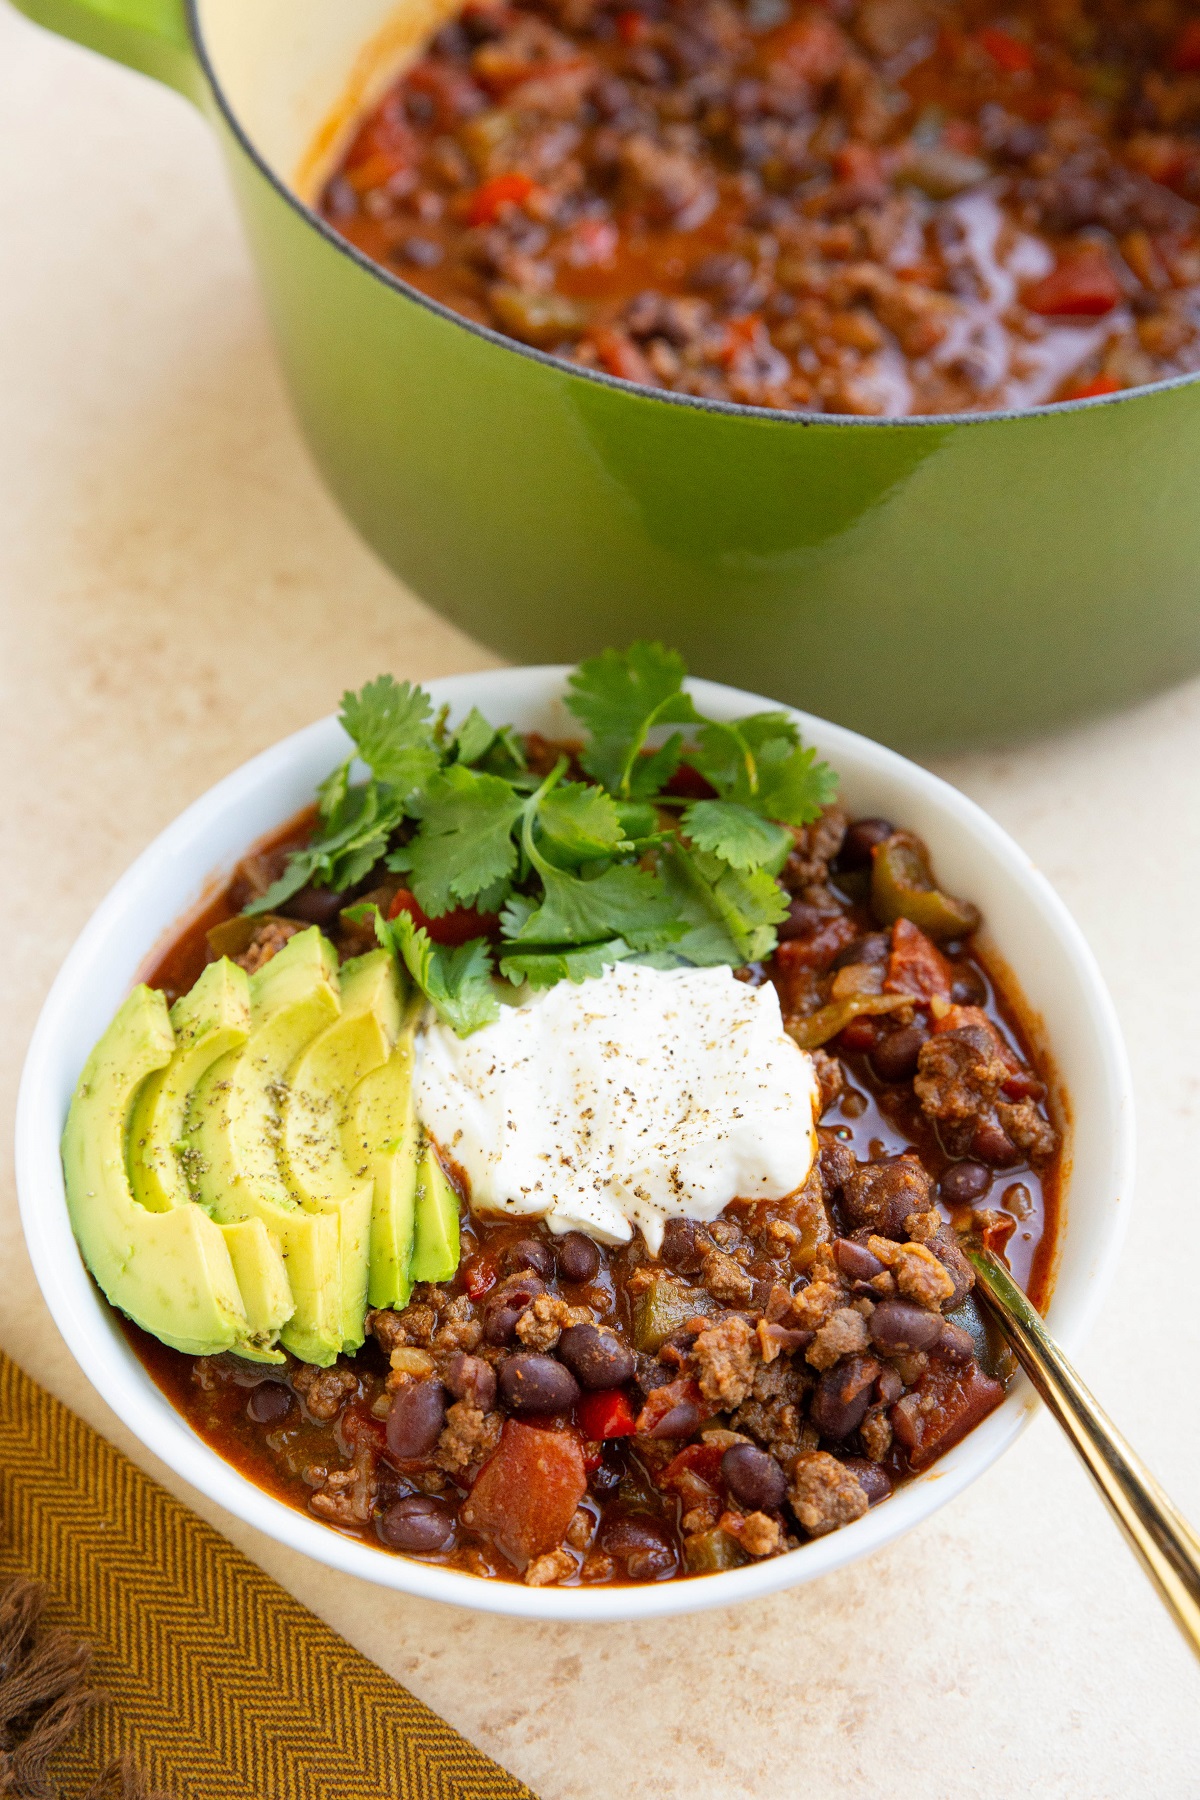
column 1025, row 919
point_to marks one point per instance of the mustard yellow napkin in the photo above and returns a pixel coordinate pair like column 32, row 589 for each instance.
column 219, row 1685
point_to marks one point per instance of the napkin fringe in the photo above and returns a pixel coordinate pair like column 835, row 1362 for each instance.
column 44, row 1697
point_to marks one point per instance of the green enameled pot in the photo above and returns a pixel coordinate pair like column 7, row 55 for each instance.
column 927, row 582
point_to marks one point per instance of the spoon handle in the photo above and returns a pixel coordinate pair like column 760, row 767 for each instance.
column 1167, row 1545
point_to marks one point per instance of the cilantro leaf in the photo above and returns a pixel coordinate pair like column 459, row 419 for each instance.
column 389, row 721
column 474, row 737
column 457, row 983
column 620, row 698
column 622, row 902
column 579, row 822
column 463, row 846
column 758, row 762
column 737, row 835
column 729, row 915
column 544, row 967
column 353, row 837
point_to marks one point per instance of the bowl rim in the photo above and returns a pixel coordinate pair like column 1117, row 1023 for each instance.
column 662, row 396
column 92, row 1334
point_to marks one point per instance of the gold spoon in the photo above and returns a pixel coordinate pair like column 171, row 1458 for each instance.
column 1168, row 1547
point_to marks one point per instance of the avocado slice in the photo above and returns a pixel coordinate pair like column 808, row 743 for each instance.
column 170, row 1272
column 211, row 1020
column 315, row 1110
column 234, row 1126
column 436, row 1249
column 381, row 1132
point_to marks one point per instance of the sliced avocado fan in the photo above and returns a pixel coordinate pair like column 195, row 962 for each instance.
column 234, row 1127
column 210, row 1021
column 316, row 1108
column 248, row 1170
column 170, row 1271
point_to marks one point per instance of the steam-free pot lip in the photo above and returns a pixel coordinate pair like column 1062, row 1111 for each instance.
column 214, row 831
column 662, row 396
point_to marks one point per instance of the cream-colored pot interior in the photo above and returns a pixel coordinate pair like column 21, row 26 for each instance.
column 298, row 73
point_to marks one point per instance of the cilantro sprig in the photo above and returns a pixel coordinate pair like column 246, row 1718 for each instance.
column 577, row 874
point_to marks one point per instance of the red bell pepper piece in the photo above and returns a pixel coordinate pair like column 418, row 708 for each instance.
column 512, row 189
column 457, row 927
column 1006, row 51
column 606, row 1414
column 478, row 1275
column 1185, row 52
column 1099, row 384
column 703, row 1460
column 1084, row 285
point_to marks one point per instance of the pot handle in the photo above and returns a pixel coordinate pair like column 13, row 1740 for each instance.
column 149, row 35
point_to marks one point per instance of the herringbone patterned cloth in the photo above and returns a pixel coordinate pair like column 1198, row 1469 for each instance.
column 221, row 1685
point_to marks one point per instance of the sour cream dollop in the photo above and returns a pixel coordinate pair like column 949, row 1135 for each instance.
column 626, row 1100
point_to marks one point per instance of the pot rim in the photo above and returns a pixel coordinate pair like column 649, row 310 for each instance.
column 665, row 396
column 174, row 871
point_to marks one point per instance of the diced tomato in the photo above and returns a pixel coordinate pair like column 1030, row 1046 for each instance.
column 916, row 966
column 1024, row 1085
column 948, row 1401
column 1185, row 52
column 858, row 1037
column 359, row 1430
column 1006, row 51
column 818, row 949
column 454, row 95
column 606, row 1414
column 632, row 27
column 672, row 1411
column 743, row 333
column 456, row 927
column 478, row 1275
column 621, row 356
column 703, row 1460
column 858, row 166
column 688, row 783
column 813, row 48
column 527, row 1493
column 1084, row 285
column 1099, row 384
column 996, row 1230
column 502, row 190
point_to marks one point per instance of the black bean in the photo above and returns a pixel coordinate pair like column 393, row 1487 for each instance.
column 597, row 1358
column 578, row 1257
column 964, row 1182
column 680, row 1422
column 894, row 1054
column 682, row 1246
column 843, row 1395
column 895, row 1326
column 967, row 988
column 874, row 948
column 946, row 1248
column 856, row 1260
column 316, row 906
column 470, row 1378
column 269, row 1403
column 640, row 1545
column 889, row 1387
column 802, row 920
column 530, row 1253
column 861, row 839
column 956, row 1343
column 415, row 1421
column 537, row 1384
column 875, row 1482
column 505, row 1306
column 753, row 1478
column 420, row 1525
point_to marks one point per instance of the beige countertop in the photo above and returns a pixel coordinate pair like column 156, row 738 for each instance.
column 176, row 592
